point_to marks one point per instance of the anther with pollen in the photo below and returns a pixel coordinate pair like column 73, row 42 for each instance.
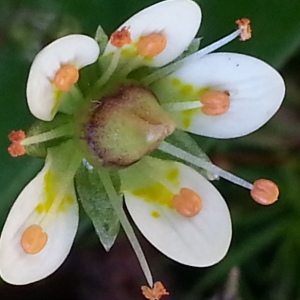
column 156, row 293
column 16, row 149
column 121, row 38
column 152, row 44
column 65, row 77
column 33, row 239
column 264, row 191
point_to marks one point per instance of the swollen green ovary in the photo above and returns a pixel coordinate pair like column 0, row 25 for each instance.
column 124, row 127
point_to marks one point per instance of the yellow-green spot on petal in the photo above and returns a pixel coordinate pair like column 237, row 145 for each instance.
column 186, row 90
column 155, row 193
column 51, row 193
column 176, row 81
column 173, row 176
column 187, row 117
column 155, row 214
column 57, row 95
column 129, row 52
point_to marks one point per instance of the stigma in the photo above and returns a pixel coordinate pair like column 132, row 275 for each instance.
column 264, row 191
column 245, row 28
column 65, row 77
column 34, row 239
column 215, row 103
column 121, row 38
column 152, row 44
column 187, row 203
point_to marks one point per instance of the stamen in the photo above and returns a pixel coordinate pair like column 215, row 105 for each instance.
column 121, row 37
column 155, row 293
column 152, row 44
column 164, row 71
column 117, row 205
column 244, row 26
column 215, row 103
column 264, row 191
column 16, row 149
column 196, row 161
column 65, row 77
column 33, row 239
column 187, row 203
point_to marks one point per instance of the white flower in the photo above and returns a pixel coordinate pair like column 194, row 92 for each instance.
column 219, row 95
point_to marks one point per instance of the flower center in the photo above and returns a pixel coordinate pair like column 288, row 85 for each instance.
column 215, row 103
column 187, row 203
column 265, row 191
column 65, row 77
column 152, row 44
column 125, row 126
column 121, row 37
column 33, row 239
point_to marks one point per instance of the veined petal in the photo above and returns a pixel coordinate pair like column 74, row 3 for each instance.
column 42, row 95
column 199, row 241
column 178, row 20
column 47, row 206
column 255, row 90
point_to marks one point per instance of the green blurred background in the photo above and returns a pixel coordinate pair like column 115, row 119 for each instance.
column 264, row 259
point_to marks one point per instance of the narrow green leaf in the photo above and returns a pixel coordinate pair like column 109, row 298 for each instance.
column 96, row 204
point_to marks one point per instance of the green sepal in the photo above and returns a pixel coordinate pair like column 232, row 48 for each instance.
column 40, row 149
column 192, row 48
column 183, row 141
column 101, row 38
column 95, row 202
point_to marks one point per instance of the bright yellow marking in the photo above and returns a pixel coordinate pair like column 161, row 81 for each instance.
column 155, row 214
column 155, row 193
column 129, row 52
column 57, row 95
column 176, row 81
column 173, row 176
column 187, row 117
column 51, row 190
column 186, row 90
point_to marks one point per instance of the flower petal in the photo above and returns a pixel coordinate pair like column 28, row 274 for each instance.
column 199, row 241
column 178, row 20
column 42, row 96
column 256, row 92
column 54, row 209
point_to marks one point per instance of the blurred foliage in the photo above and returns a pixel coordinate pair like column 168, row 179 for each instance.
column 264, row 259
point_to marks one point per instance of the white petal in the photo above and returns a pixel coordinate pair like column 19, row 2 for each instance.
column 179, row 20
column 256, row 92
column 60, row 224
column 199, row 241
column 77, row 50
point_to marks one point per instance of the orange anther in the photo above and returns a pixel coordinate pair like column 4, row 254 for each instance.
column 264, row 191
column 33, row 239
column 121, row 37
column 244, row 26
column 151, row 44
column 156, row 292
column 16, row 149
column 215, row 103
column 187, row 203
column 65, row 77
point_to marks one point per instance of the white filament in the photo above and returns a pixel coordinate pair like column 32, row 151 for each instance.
column 179, row 153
